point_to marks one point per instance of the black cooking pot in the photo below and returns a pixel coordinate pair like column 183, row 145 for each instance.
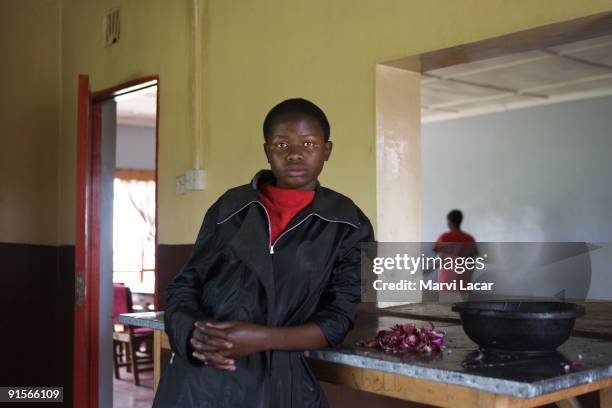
column 524, row 327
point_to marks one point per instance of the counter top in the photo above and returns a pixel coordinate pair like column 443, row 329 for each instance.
column 588, row 359
column 151, row 320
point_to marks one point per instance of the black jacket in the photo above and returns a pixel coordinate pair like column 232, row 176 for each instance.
column 311, row 273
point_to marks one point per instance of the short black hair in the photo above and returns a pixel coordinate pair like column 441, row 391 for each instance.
column 299, row 106
column 455, row 217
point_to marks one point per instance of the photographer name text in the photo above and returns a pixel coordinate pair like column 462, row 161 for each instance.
column 456, row 285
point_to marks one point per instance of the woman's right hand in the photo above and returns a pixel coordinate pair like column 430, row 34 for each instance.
column 210, row 346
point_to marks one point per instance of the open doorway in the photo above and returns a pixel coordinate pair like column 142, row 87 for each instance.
column 521, row 144
column 116, row 174
column 544, row 66
column 134, row 244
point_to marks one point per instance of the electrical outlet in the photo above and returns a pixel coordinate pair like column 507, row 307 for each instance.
column 190, row 181
column 195, row 179
column 181, row 184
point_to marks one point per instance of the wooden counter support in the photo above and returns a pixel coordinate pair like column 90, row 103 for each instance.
column 161, row 355
column 605, row 397
column 156, row 358
column 569, row 403
column 444, row 395
column 395, row 386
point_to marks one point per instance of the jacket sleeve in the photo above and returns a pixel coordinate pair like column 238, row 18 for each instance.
column 183, row 295
column 337, row 307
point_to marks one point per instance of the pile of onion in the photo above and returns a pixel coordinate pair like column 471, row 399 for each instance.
column 406, row 337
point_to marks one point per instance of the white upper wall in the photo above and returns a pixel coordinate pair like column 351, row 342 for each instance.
column 538, row 174
column 530, row 175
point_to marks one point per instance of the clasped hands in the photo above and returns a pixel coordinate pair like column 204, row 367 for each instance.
column 218, row 344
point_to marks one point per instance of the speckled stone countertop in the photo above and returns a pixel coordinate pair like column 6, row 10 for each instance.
column 151, row 320
column 587, row 359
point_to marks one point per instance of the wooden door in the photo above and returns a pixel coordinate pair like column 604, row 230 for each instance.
column 85, row 356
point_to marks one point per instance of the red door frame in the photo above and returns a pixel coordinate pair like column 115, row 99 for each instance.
column 87, row 245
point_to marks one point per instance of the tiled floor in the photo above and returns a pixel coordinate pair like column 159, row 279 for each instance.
column 127, row 395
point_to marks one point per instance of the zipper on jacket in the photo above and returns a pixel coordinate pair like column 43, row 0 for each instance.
column 270, row 243
column 302, row 221
column 269, row 227
column 236, row 212
column 287, row 230
column 267, row 217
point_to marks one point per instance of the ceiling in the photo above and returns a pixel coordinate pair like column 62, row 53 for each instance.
column 138, row 108
column 568, row 72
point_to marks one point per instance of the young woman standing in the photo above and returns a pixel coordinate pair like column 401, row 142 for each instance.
column 275, row 271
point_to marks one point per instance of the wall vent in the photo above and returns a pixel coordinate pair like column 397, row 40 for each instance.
column 111, row 27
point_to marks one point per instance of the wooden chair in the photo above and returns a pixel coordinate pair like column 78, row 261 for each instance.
column 127, row 342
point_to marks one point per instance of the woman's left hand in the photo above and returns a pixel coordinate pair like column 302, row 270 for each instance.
column 246, row 338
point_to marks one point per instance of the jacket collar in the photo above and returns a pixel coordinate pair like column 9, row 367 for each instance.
column 327, row 204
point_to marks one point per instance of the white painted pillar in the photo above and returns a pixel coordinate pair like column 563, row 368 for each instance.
column 398, row 154
column 398, row 158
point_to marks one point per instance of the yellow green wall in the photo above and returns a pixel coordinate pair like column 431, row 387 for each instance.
column 29, row 121
column 257, row 53
column 155, row 39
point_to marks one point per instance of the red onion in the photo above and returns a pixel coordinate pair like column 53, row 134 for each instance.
column 407, row 337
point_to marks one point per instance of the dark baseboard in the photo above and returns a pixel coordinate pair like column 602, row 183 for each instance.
column 37, row 299
column 170, row 261
column 37, row 305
